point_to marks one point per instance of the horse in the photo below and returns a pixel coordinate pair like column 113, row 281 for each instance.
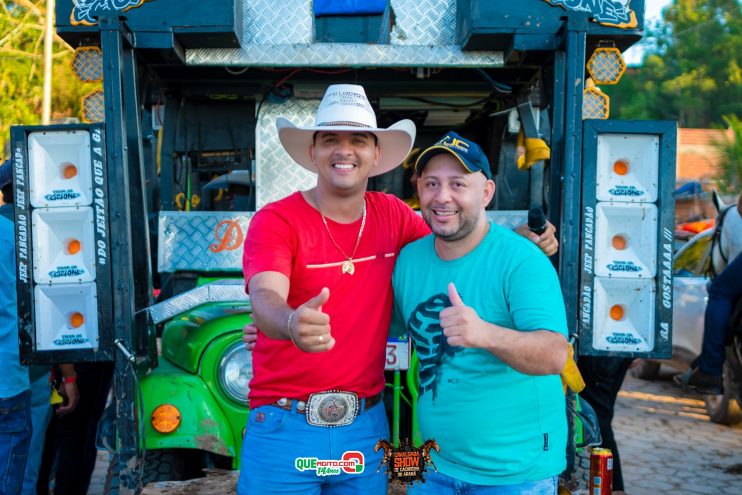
column 384, row 444
column 727, row 219
column 425, row 448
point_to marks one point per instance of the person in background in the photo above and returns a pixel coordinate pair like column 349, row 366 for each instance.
column 15, row 394
column 39, row 375
column 70, row 437
column 705, row 373
column 6, row 172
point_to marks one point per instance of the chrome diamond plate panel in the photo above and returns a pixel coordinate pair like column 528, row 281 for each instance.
column 212, row 241
column 276, row 174
column 344, row 55
column 280, row 34
column 220, row 291
column 201, row 241
column 424, row 22
column 268, row 22
column 508, row 218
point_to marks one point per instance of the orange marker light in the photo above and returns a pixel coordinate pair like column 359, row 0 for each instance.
column 621, row 167
column 616, row 312
column 618, row 242
column 165, row 418
column 68, row 170
column 73, row 247
column 76, row 320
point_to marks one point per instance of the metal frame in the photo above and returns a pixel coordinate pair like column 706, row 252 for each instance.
column 132, row 285
column 570, row 161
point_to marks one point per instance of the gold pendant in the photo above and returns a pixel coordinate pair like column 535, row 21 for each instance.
column 348, row 267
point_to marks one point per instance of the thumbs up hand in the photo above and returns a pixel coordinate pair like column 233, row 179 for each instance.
column 454, row 296
column 461, row 324
column 309, row 327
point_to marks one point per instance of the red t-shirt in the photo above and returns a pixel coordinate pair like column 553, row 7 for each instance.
column 288, row 237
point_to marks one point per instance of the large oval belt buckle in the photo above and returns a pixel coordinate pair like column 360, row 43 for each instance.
column 332, row 408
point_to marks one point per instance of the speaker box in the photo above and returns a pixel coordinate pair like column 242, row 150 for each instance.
column 627, row 222
column 63, row 257
column 60, row 171
column 63, row 245
column 626, row 240
column 66, row 317
column 627, row 167
column 624, row 314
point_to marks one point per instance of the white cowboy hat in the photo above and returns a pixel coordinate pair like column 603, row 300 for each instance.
column 346, row 108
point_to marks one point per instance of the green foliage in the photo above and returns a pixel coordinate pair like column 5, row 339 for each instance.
column 22, row 26
column 730, row 167
column 694, row 73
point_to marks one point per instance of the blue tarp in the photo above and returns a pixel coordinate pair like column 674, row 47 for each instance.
column 349, row 7
column 689, row 190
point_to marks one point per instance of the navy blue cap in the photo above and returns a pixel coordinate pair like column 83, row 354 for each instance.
column 467, row 152
column 6, row 173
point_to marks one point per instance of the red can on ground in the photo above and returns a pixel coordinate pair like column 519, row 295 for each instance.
column 601, row 472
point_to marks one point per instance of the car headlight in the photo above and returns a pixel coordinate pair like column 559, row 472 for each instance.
column 235, row 372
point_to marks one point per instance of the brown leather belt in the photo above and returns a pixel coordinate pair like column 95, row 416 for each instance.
column 301, row 405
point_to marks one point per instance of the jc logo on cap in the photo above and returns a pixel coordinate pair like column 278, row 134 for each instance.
column 452, row 142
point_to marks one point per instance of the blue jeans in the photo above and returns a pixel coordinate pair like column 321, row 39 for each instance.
column 440, row 484
column 15, row 434
column 723, row 292
column 277, row 441
column 41, row 413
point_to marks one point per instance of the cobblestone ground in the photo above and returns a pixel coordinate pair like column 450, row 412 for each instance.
column 668, row 445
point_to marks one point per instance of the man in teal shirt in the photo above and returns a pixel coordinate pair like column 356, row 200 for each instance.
column 484, row 308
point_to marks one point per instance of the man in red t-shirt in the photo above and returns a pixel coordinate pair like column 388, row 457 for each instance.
column 318, row 268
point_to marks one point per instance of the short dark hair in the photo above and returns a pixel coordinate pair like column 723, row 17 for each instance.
column 7, row 191
column 376, row 139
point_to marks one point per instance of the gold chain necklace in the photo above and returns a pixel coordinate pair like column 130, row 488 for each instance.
column 348, row 266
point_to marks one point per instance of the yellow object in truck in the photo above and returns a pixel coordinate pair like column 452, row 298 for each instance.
column 570, row 375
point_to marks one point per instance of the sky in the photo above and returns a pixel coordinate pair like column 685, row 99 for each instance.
column 652, row 14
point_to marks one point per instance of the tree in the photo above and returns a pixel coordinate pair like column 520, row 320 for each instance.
column 21, row 63
column 730, row 166
column 693, row 73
